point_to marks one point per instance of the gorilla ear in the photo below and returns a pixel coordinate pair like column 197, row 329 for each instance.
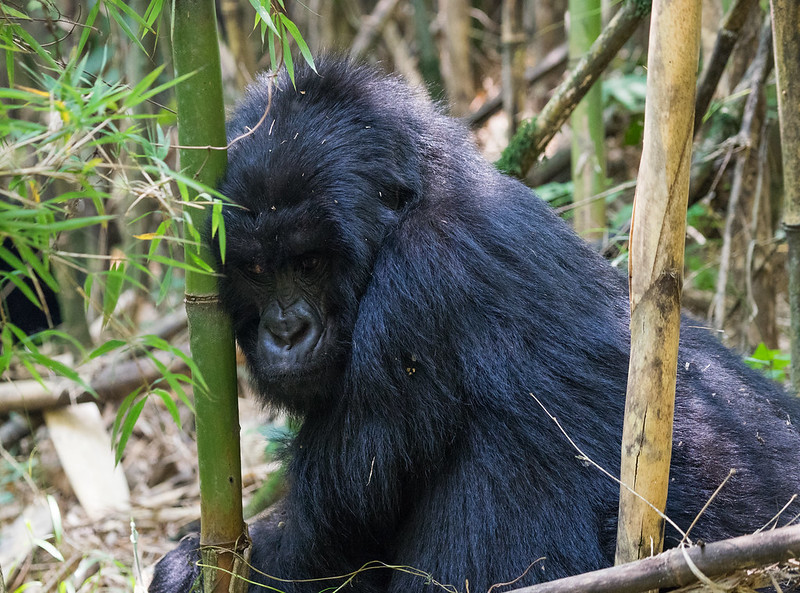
column 396, row 197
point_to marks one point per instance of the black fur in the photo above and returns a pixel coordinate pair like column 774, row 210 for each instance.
column 451, row 295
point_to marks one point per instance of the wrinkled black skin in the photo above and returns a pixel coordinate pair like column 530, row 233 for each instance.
column 447, row 294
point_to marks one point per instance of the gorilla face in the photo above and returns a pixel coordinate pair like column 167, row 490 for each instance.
column 313, row 198
column 290, row 318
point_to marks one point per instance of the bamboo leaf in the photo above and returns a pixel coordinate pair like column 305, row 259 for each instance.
column 109, row 346
column 134, row 97
column 287, row 58
column 170, row 405
column 298, row 38
column 88, row 27
column 127, row 428
column 264, row 15
column 115, row 280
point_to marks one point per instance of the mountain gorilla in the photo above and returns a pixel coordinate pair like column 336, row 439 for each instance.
column 408, row 301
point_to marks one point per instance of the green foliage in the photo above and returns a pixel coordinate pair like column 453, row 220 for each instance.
column 701, row 269
column 556, row 193
column 703, row 218
column 773, row 363
column 701, row 273
column 148, row 346
column 81, row 151
column 628, row 90
column 278, row 28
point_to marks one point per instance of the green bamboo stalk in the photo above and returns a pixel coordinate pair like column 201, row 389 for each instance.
column 201, row 123
column 786, row 40
column 588, row 131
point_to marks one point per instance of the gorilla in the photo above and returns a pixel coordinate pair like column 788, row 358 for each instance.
column 413, row 306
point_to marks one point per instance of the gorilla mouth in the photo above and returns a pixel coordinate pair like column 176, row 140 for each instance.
column 297, row 384
column 293, row 362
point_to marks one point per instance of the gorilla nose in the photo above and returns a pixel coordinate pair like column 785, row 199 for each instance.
column 288, row 330
column 293, row 331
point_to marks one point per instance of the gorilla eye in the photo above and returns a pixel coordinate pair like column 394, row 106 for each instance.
column 310, row 263
column 255, row 268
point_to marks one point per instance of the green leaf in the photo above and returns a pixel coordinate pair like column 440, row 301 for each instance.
column 39, row 266
column 87, row 289
column 127, row 428
column 67, row 224
column 170, row 404
column 159, row 343
column 87, row 28
column 164, row 86
column 152, row 12
column 186, row 401
column 35, row 375
column 762, row 352
column 165, row 285
column 48, row 334
column 273, row 57
column 134, row 97
column 113, row 8
column 10, row 67
column 115, row 280
column 47, row 547
column 184, row 182
column 122, row 411
column 168, row 261
column 23, row 288
column 264, row 15
column 109, row 346
column 200, row 264
column 63, row 370
column 55, row 517
column 295, row 33
column 218, row 225
column 14, row 13
column 12, row 260
column 781, row 361
column 23, row 338
column 287, row 59
column 35, row 46
column 8, row 348
column 772, row 362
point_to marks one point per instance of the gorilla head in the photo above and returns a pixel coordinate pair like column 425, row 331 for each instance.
column 318, row 193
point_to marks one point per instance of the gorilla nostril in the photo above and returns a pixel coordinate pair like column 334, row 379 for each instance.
column 291, row 329
column 294, row 335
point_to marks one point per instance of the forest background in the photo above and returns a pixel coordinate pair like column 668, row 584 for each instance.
column 92, row 267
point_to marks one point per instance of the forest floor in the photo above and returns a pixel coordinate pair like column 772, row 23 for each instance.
column 56, row 533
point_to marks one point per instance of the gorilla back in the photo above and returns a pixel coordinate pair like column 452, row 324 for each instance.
column 408, row 301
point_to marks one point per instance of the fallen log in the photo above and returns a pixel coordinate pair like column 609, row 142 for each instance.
column 679, row 567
